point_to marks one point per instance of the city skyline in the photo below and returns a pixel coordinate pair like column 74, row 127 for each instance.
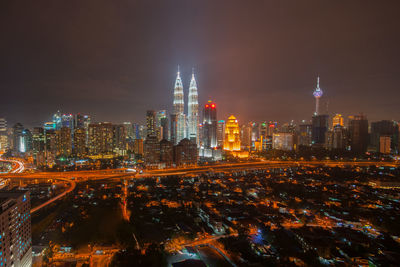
column 113, row 74
column 199, row 133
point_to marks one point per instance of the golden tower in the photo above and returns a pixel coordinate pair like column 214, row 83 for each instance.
column 232, row 134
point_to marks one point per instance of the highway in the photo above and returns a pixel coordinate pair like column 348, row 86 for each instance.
column 75, row 176
column 70, row 189
column 17, row 165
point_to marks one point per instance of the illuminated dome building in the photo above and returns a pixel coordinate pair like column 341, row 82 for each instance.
column 317, row 94
column 337, row 120
column 232, row 135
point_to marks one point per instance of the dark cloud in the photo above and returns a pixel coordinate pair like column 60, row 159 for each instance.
column 257, row 59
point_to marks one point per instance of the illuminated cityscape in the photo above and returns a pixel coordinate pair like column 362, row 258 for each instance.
column 116, row 151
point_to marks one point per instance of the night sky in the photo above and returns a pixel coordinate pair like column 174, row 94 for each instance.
column 258, row 60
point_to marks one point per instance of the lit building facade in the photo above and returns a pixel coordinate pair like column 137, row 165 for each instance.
column 283, row 141
column 337, row 120
column 3, row 135
column 209, row 125
column 161, row 116
column 193, row 112
column 384, row 128
column 152, row 151
column 138, row 146
column 384, row 144
column 179, row 110
column 64, row 141
column 16, row 237
column 150, row 123
column 245, row 136
column 17, row 140
column 100, row 138
column 220, row 133
column 232, row 135
column 38, row 140
column 79, row 145
column 305, row 134
column 119, row 139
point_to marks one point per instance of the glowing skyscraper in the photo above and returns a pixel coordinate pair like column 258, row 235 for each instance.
column 232, row 134
column 193, row 112
column 179, row 108
column 337, row 120
column 317, row 94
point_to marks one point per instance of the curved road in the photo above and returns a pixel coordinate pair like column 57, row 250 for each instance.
column 70, row 189
column 120, row 173
column 18, row 167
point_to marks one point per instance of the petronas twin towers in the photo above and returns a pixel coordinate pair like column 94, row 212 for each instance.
column 183, row 126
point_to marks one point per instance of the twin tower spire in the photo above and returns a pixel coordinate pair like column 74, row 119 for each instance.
column 187, row 126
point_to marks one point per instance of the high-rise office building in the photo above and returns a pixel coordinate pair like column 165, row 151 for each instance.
column 384, row 128
column 283, row 141
column 358, row 129
column 38, row 140
column 64, row 141
column 255, row 133
column 193, row 112
column 166, row 152
column 26, row 141
column 305, row 134
column 67, row 120
column 151, row 150
column 164, row 128
column 317, row 94
column 210, row 125
column 173, row 128
column 3, row 135
column 50, row 142
column 179, row 110
column 232, row 135
column 79, row 144
column 340, row 140
column 50, row 147
column 319, row 129
column 245, row 136
column 385, row 144
column 17, row 140
column 130, row 132
column 138, row 147
column 57, row 120
column 185, row 153
column 100, row 138
column 15, row 221
column 160, row 116
column 119, row 139
column 151, row 123
column 220, row 133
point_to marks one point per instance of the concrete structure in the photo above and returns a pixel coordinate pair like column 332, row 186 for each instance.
column 283, row 141
column 15, row 221
column 384, row 144
column 317, row 94
column 358, row 129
